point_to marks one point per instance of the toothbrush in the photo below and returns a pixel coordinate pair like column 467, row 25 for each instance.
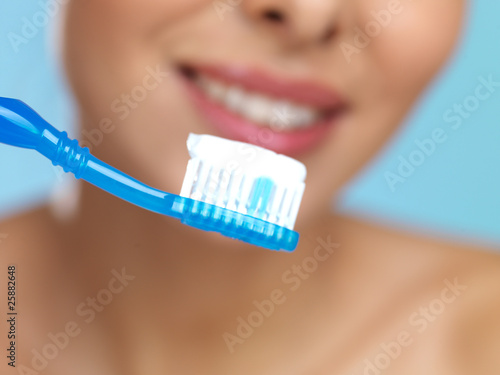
column 239, row 190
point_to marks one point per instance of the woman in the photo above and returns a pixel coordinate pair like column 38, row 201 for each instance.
column 119, row 290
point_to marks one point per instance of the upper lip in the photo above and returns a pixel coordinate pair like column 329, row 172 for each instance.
column 306, row 92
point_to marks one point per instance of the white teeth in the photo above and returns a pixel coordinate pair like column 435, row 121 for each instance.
column 304, row 116
column 258, row 109
column 235, row 98
column 290, row 115
column 262, row 110
column 215, row 90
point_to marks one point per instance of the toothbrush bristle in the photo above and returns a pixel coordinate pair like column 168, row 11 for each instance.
column 257, row 196
column 266, row 186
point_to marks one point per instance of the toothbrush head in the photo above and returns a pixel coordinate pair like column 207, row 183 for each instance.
column 242, row 191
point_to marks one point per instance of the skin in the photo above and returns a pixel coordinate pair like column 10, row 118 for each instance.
column 190, row 287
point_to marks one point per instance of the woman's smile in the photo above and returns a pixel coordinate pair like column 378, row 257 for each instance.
column 284, row 115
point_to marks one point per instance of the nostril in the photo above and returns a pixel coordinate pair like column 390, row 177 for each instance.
column 274, row 15
column 328, row 35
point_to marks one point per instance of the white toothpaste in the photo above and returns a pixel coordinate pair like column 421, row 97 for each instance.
column 244, row 178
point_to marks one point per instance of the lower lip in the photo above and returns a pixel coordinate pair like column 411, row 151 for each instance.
column 232, row 126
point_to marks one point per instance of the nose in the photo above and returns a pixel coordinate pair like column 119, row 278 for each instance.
column 299, row 22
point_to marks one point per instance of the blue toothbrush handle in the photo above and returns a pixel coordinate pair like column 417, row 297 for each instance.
column 21, row 126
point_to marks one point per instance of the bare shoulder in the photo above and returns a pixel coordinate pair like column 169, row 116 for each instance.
column 28, row 236
column 25, row 219
column 473, row 333
column 469, row 337
column 477, row 337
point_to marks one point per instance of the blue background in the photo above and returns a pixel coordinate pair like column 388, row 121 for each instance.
column 455, row 190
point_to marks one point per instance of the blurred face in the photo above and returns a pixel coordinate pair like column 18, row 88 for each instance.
column 325, row 81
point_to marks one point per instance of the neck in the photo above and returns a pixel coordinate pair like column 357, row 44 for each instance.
column 191, row 285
